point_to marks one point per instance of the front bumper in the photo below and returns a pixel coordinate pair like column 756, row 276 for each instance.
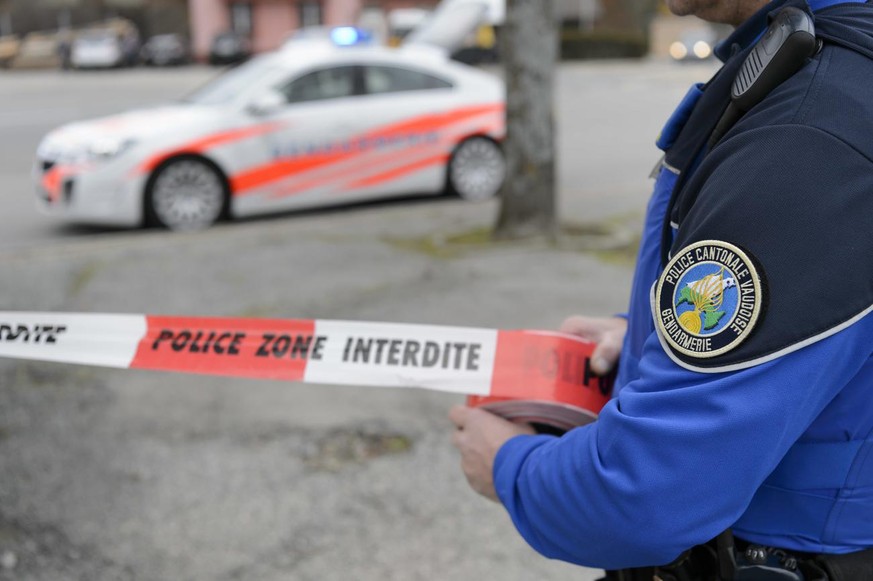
column 102, row 194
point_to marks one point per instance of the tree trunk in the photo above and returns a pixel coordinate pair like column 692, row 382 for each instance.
column 5, row 18
column 529, row 50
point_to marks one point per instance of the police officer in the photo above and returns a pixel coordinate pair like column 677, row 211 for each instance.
column 739, row 441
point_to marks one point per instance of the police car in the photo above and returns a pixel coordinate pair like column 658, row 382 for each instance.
column 313, row 124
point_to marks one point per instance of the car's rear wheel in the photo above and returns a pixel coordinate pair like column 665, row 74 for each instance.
column 477, row 169
column 186, row 193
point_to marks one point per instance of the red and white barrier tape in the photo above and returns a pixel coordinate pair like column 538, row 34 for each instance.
column 526, row 375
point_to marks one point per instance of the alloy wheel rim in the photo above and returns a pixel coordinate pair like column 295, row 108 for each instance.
column 478, row 169
column 188, row 195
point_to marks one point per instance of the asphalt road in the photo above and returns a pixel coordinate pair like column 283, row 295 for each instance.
column 108, row 475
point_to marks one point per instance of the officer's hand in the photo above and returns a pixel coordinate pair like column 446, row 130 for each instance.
column 479, row 435
column 607, row 332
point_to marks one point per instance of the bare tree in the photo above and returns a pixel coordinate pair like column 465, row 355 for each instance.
column 529, row 49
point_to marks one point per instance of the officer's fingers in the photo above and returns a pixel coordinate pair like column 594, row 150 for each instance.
column 585, row 327
column 458, row 416
column 606, row 354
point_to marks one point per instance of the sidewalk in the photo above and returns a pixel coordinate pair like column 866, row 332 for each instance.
column 157, row 476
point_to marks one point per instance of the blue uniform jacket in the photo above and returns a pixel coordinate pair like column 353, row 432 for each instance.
column 777, row 443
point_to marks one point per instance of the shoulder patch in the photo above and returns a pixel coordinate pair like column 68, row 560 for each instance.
column 708, row 299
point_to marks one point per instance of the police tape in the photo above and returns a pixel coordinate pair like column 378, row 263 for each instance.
column 532, row 376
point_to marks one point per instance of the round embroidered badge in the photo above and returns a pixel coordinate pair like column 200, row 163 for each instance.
column 708, row 299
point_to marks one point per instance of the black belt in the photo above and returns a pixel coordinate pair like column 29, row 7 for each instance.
column 720, row 560
column 849, row 567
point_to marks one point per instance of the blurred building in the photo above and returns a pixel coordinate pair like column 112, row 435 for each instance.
column 269, row 22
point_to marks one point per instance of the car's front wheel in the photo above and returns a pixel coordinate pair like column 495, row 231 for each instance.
column 186, row 193
column 477, row 169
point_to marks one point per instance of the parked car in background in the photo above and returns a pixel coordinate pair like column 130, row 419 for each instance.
column 479, row 48
column 9, row 47
column 402, row 21
column 38, row 50
column 98, row 49
column 165, row 50
column 463, row 28
column 229, row 48
column 311, row 125
column 479, row 43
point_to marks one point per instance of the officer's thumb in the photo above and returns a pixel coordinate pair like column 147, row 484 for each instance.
column 605, row 356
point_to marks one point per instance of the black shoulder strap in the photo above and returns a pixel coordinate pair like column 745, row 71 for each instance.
column 832, row 27
column 700, row 125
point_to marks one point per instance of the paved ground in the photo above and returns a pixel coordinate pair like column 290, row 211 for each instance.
column 132, row 475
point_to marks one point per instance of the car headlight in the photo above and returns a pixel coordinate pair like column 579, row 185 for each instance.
column 76, row 152
column 108, row 148
column 678, row 51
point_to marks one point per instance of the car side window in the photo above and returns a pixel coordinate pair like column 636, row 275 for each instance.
column 319, row 85
column 385, row 79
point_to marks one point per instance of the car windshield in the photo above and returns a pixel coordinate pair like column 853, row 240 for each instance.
column 235, row 82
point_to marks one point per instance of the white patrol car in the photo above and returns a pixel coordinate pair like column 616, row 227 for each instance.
column 310, row 125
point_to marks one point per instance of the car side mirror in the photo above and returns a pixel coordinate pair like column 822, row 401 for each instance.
column 266, row 104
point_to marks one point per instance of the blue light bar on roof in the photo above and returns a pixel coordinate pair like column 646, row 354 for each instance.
column 345, row 35
column 350, row 36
